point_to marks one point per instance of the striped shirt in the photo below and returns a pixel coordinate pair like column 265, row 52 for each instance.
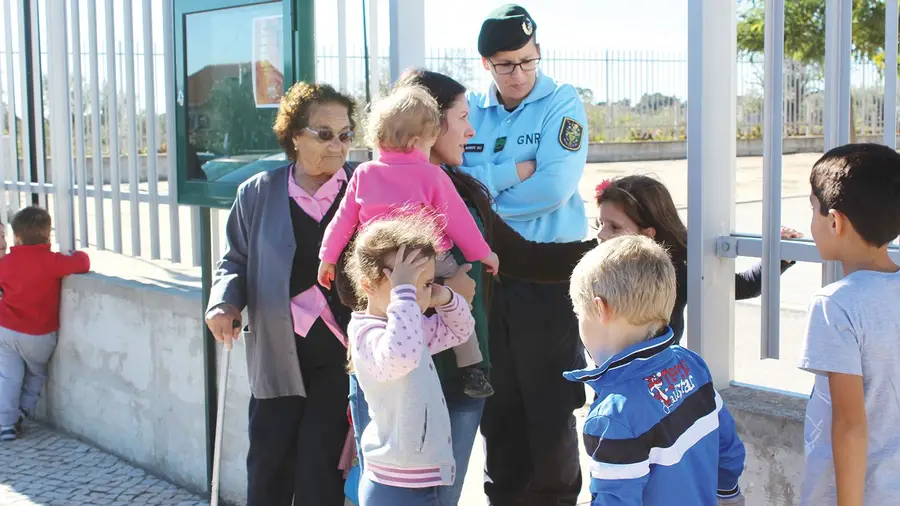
column 407, row 444
column 659, row 428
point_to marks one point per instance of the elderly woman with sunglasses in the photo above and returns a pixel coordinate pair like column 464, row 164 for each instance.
column 296, row 334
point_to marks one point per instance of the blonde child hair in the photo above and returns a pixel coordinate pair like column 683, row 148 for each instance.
column 406, row 114
column 634, row 275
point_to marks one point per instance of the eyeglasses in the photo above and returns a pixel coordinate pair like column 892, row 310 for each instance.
column 328, row 135
column 509, row 68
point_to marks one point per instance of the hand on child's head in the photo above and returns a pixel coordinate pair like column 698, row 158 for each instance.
column 406, row 267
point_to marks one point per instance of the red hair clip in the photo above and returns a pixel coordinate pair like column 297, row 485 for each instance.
column 600, row 188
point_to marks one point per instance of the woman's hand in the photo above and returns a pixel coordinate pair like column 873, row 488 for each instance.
column 789, row 233
column 407, row 268
column 326, row 274
column 461, row 283
column 224, row 321
column 526, row 169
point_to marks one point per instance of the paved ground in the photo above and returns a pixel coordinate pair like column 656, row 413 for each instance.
column 47, row 469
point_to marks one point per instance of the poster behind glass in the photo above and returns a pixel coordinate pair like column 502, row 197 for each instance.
column 234, row 60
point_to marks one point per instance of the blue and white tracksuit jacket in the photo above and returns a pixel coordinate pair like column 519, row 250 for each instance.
column 658, row 432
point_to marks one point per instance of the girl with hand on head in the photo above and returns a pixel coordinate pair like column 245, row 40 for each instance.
column 407, row 445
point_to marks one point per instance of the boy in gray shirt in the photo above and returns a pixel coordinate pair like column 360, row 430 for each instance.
column 852, row 341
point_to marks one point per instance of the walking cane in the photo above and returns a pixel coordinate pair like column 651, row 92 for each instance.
column 220, row 422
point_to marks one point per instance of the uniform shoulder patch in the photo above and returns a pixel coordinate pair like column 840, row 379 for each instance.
column 570, row 134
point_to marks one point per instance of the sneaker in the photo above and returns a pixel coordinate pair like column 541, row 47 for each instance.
column 8, row 433
column 476, row 384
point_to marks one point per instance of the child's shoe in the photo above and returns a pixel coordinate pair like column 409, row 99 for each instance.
column 475, row 383
column 8, row 433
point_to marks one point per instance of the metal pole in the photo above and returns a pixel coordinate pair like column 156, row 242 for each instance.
column 890, row 73
column 134, row 179
column 30, row 96
column 96, row 136
column 772, row 152
column 712, row 54
column 60, row 123
column 366, row 54
column 209, row 342
column 342, row 44
column 838, row 33
column 80, row 157
column 171, row 143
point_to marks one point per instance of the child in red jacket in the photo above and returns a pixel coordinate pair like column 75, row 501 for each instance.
column 31, row 281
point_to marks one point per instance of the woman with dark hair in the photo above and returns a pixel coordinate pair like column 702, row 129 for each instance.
column 643, row 205
column 521, row 259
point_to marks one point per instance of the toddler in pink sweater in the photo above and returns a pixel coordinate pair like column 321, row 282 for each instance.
column 404, row 126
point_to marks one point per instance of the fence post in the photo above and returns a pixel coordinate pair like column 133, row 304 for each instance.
column 711, row 140
column 407, row 24
column 838, row 30
column 60, row 126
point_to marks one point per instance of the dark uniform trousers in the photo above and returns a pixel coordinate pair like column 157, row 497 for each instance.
column 296, row 442
column 531, row 443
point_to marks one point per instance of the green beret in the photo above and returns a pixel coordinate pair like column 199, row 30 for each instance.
column 506, row 29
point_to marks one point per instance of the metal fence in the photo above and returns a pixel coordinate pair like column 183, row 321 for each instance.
column 641, row 95
column 118, row 94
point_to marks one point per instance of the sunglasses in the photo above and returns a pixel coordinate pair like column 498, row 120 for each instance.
column 328, row 135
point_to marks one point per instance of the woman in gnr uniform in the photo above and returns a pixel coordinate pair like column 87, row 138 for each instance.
column 525, row 122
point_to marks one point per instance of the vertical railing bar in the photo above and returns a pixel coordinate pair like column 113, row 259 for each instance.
column 26, row 119
column 838, row 26
column 78, row 110
column 171, row 142
column 342, row 45
column 134, row 180
column 60, row 123
column 890, row 74
column 96, row 131
column 112, row 125
column 773, row 110
column 4, row 202
column 12, row 171
column 38, row 93
column 150, row 114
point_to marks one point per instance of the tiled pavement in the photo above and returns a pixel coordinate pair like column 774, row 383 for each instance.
column 46, row 468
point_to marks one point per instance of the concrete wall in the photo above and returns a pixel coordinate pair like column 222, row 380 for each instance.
column 127, row 377
column 771, row 426
column 677, row 150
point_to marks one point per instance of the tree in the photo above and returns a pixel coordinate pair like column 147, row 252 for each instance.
column 804, row 33
column 804, row 29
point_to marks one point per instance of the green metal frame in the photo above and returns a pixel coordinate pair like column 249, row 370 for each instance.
column 299, row 65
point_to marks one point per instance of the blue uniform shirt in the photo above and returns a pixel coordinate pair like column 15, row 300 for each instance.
column 550, row 127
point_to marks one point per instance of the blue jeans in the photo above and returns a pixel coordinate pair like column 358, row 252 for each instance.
column 376, row 494
column 465, row 416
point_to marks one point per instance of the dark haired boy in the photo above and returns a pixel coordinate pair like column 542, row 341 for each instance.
column 852, row 341
column 31, row 281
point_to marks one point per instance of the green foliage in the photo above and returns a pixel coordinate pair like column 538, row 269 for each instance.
column 804, row 30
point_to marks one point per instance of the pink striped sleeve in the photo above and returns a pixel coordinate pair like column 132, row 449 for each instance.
column 451, row 326
column 461, row 226
column 343, row 225
column 390, row 350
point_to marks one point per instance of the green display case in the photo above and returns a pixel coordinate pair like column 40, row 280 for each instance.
column 234, row 60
